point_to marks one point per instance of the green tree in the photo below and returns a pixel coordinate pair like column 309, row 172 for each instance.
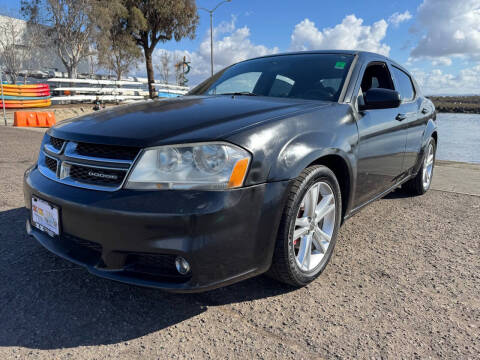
column 152, row 21
column 117, row 51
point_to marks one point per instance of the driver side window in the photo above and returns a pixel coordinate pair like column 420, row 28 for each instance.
column 377, row 76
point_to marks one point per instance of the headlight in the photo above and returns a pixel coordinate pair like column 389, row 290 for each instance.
column 209, row 166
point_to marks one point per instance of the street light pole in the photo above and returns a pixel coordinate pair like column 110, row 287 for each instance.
column 211, row 30
column 211, row 42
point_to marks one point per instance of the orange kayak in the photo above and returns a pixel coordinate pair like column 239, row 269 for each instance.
column 25, row 93
column 30, row 87
column 14, row 104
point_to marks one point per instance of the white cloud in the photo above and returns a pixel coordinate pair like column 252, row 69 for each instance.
column 230, row 45
column 435, row 61
column 233, row 44
column 450, row 28
column 436, row 82
column 234, row 47
column 397, row 18
column 442, row 61
column 350, row 34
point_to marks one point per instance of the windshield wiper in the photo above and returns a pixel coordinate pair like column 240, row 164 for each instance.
column 246, row 93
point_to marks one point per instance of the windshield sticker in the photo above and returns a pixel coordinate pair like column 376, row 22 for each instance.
column 340, row 65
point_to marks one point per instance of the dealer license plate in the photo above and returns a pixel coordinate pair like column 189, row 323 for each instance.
column 45, row 216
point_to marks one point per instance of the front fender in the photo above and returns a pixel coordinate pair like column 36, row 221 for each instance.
column 304, row 150
column 282, row 149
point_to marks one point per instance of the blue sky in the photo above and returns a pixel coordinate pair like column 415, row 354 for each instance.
column 438, row 40
column 271, row 22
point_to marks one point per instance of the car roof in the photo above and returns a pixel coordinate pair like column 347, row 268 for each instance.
column 343, row 52
column 366, row 56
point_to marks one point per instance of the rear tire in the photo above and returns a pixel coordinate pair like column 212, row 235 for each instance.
column 420, row 184
column 308, row 228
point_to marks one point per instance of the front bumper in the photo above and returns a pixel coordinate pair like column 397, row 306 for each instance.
column 133, row 236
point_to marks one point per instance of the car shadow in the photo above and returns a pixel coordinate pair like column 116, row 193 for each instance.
column 48, row 303
column 399, row 193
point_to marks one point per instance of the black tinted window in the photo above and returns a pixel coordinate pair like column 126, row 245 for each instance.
column 404, row 84
column 281, row 86
column 305, row 76
column 376, row 76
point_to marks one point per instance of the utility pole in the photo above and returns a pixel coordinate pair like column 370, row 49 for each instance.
column 3, row 98
column 211, row 30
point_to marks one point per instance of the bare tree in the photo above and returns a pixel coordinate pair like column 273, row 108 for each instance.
column 182, row 68
column 164, row 67
column 38, row 46
column 70, row 25
column 177, row 63
column 13, row 47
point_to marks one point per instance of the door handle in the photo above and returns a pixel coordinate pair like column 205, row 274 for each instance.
column 401, row 117
column 424, row 110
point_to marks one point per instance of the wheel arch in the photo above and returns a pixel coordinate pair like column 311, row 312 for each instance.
column 339, row 166
column 430, row 131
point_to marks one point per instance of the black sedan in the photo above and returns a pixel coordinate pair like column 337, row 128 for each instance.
column 253, row 171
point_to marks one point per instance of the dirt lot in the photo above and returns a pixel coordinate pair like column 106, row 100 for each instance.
column 404, row 283
column 62, row 112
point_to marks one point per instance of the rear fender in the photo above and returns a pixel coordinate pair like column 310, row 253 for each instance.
column 427, row 134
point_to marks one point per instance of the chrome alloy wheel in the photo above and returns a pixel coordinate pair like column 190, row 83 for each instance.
column 314, row 226
column 428, row 167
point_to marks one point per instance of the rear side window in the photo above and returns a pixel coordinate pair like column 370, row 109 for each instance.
column 404, row 84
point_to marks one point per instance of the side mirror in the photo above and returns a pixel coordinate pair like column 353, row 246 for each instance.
column 381, row 99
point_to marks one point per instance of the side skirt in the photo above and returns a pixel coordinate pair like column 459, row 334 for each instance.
column 379, row 196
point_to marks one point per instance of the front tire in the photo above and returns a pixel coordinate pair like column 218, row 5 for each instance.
column 420, row 184
column 308, row 228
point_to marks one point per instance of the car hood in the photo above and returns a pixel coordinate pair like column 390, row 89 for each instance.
column 179, row 120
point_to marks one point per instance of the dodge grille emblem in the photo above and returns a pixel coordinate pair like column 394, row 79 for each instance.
column 101, row 175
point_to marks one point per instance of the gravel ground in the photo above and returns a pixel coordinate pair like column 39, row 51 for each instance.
column 403, row 283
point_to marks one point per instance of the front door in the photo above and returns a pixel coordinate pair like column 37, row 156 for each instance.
column 382, row 140
column 415, row 120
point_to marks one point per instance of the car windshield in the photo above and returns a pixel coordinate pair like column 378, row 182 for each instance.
column 300, row 76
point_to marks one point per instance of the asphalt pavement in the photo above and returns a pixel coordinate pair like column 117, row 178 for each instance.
column 404, row 282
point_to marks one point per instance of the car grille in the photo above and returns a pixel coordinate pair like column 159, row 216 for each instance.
column 97, row 176
column 56, row 142
column 80, row 164
column 51, row 163
column 83, row 243
column 107, row 151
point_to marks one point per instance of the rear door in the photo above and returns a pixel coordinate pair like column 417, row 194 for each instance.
column 382, row 139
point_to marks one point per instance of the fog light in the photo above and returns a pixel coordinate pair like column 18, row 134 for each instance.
column 182, row 265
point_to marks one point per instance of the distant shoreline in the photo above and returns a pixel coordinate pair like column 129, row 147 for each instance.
column 457, row 104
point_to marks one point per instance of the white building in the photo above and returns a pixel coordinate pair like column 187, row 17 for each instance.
column 43, row 63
